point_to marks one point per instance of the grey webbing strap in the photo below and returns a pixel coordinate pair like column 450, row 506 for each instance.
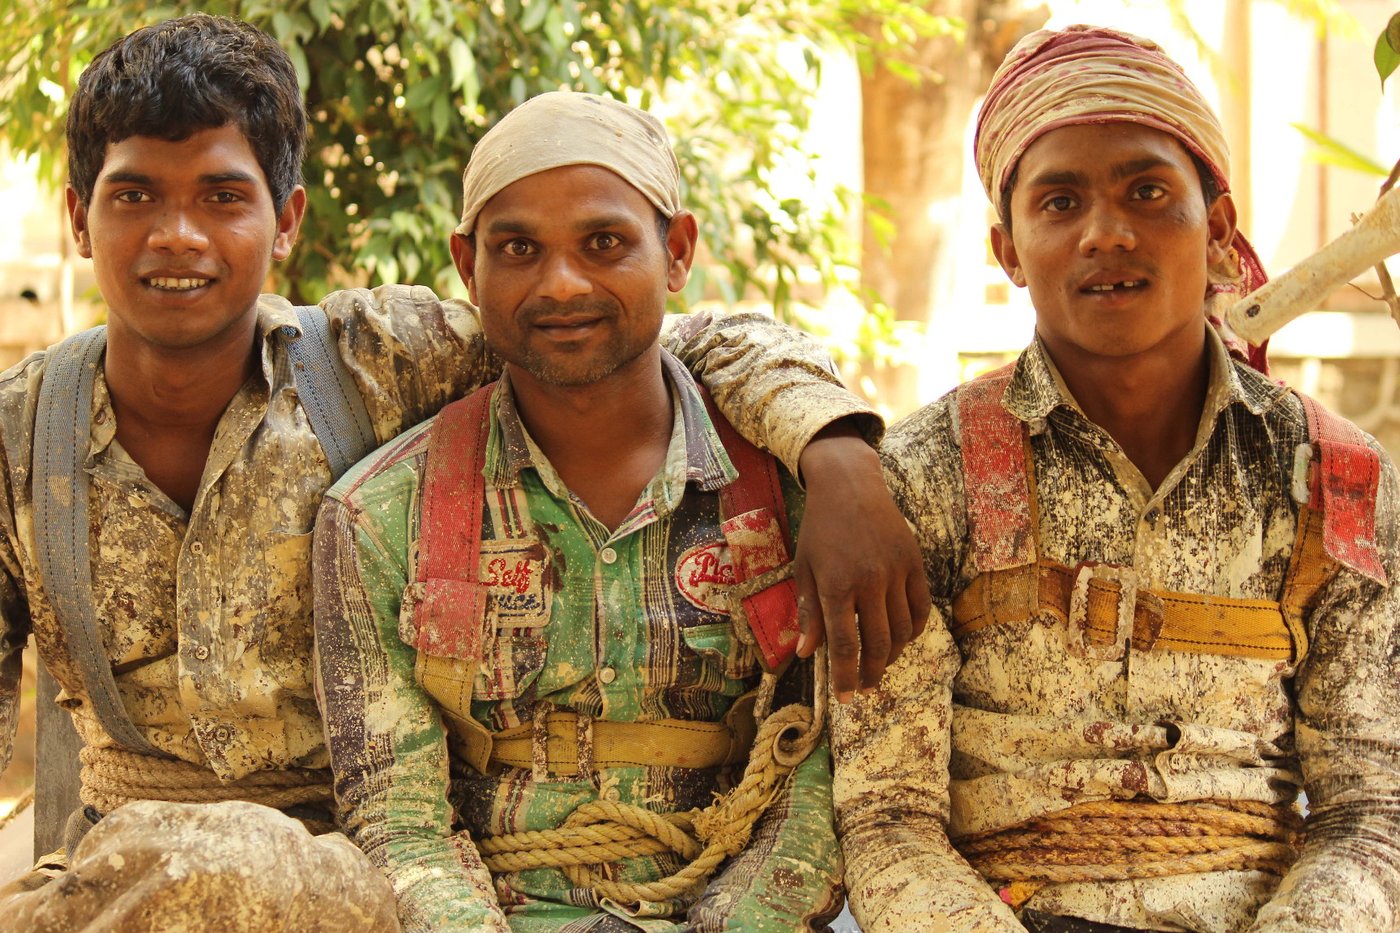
column 62, row 433
column 329, row 396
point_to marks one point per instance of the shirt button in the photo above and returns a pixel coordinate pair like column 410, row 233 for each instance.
column 223, row 734
column 608, row 555
column 607, row 675
column 202, row 652
column 612, row 794
column 197, row 547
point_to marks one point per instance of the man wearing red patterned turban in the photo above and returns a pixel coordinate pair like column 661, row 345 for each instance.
column 1166, row 583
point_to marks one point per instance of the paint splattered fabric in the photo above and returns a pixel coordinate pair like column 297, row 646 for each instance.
column 629, row 625
column 1012, row 722
column 207, row 615
column 235, row 867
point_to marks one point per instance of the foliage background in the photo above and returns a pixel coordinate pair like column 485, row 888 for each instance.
column 398, row 92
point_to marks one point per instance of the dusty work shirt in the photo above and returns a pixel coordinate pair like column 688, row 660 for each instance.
column 1019, row 725
column 206, row 616
column 626, row 626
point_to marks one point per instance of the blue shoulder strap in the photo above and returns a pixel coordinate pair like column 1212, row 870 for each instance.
column 62, row 433
column 329, row 396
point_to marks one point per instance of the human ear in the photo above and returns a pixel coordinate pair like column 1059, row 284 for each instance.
column 289, row 223
column 681, row 237
column 464, row 258
column 1220, row 226
column 1004, row 248
column 77, row 222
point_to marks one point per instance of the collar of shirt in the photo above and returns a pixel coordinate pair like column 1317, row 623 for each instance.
column 695, row 454
column 275, row 314
column 276, row 318
column 1036, row 388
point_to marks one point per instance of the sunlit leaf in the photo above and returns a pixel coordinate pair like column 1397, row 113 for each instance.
column 1388, row 49
column 1330, row 151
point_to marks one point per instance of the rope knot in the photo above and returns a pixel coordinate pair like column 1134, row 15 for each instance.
column 603, row 832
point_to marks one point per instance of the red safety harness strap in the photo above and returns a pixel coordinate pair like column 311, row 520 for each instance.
column 996, row 477
column 1343, row 487
column 451, row 601
column 448, row 602
column 755, row 527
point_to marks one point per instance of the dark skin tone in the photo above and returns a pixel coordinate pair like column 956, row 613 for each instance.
column 1128, row 405
column 571, row 279
column 166, row 415
column 1113, row 238
column 561, row 287
column 182, row 235
column 606, row 445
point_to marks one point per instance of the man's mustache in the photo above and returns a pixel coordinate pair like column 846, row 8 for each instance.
column 562, row 312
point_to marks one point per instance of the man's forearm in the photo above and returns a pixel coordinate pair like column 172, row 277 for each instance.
column 772, row 382
column 387, row 743
column 905, row 876
column 10, row 666
column 1350, row 867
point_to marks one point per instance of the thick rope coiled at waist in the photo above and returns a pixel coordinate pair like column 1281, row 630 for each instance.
column 113, row 776
column 604, row 832
column 1123, row 840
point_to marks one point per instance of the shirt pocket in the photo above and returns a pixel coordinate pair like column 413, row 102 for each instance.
column 720, row 650
column 516, row 574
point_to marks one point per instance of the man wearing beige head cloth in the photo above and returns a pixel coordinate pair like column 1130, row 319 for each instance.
column 1164, row 585
column 555, row 640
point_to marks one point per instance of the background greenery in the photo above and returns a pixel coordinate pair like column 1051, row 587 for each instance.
column 398, row 92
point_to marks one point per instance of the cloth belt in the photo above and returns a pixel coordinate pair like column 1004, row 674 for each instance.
column 1106, row 608
column 665, row 743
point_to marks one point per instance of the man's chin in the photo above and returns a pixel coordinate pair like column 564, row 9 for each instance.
column 570, row 377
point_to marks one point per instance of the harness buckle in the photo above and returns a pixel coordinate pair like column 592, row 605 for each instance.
column 1098, row 628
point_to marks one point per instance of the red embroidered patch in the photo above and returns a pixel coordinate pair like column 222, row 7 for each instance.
column 704, row 575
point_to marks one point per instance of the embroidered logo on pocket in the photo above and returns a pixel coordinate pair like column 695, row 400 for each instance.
column 704, row 575
column 513, row 573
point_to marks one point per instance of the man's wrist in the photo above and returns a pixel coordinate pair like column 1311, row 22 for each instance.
column 836, row 448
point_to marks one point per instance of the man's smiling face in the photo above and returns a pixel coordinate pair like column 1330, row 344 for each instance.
column 571, row 275
column 1111, row 234
column 182, row 234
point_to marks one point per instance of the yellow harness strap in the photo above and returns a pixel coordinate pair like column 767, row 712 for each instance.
column 1108, row 609
column 666, row 743
column 1102, row 605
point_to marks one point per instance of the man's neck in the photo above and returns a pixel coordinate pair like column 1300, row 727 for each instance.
column 1149, row 404
column 606, row 440
column 168, row 403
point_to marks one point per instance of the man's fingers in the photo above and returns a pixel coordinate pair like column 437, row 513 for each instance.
column 901, row 623
column 843, row 646
column 874, row 640
column 920, row 602
column 809, row 613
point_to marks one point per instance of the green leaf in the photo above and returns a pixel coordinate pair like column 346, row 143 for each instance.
column 535, row 11
column 1388, row 49
column 421, row 93
column 463, row 62
column 442, row 116
column 303, row 71
column 1334, row 152
column 321, row 13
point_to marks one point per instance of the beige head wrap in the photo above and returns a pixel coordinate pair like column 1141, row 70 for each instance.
column 565, row 128
column 1087, row 74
